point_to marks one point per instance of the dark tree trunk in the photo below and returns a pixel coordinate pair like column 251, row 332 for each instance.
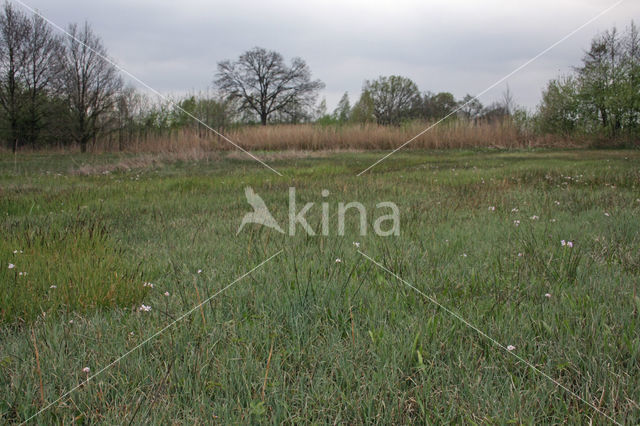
column 263, row 119
column 603, row 115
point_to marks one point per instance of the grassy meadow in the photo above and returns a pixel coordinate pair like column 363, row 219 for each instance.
column 306, row 338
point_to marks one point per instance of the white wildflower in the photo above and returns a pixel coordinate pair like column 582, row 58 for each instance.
column 11, row 266
column 511, row 348
column 145, row 308
column 86, row 370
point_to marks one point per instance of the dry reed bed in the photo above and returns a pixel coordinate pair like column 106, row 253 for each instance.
column 304, row 139
column 309, row 137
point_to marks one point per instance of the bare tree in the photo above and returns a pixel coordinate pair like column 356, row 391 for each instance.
column 14, row 27
column 508, row 103
column 43, row 68
column 91, row 85
column 395, row 98
column 262, row 83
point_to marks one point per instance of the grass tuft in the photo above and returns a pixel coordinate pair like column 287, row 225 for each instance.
column 63, row 267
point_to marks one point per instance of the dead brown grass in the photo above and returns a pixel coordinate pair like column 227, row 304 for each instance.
column 372, row 136
column 144, row 161
column 309, row 137
column 288, row 141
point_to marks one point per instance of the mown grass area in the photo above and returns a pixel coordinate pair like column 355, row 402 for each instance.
column 305, row 338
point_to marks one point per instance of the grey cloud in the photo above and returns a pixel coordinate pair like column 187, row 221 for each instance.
column 458, row 46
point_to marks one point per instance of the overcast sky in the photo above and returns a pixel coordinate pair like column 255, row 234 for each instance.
column 454, row 45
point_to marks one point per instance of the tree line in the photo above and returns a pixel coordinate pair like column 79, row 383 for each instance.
column 52, row 88
column 59, row 90
column 602, row 96
column 393, row 100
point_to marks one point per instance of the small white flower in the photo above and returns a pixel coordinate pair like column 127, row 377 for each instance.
column 15, row 252
column 145, row 308
column 557, row 203
column 553, row 220
column 150, row 285
column 514, row 210
column 492, row 208
column 86, row 370
column 563, row 242
column 22, row 273
column 131, row 334
column 516, row 222
column 569, row 244
column 606, row 214
column 338, row 260
column 166, row 293
column 357, row 244
column 199, row 271
column 520, row 254
column 70, row 321
column 511, row 348
column 11, row 266
column 547, row 295
column 534, row 217
column 54, row 286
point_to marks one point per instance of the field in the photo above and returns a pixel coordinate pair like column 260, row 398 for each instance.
column 319, row 333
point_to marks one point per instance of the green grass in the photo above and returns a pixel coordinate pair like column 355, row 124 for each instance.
column 348, row 342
